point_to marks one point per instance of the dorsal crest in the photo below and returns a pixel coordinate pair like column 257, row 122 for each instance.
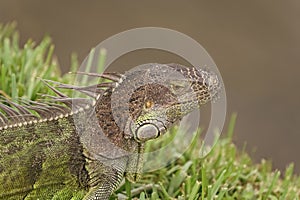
column 54, row 107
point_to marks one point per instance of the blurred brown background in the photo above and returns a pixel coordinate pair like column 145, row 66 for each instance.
column 255, row 44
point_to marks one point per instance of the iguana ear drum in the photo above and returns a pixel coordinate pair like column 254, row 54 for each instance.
column 147, row 132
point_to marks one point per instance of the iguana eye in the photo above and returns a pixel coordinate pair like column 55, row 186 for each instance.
column 149, row 104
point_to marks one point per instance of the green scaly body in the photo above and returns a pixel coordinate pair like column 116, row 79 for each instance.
column 41, row 161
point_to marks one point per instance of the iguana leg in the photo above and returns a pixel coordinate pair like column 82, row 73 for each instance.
column 104, row 179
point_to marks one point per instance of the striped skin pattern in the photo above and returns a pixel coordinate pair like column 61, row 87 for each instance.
column 79, row 148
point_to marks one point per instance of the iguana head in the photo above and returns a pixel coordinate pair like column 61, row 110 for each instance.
column 158, row 95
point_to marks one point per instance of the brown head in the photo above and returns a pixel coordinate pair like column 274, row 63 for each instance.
column 148, row 100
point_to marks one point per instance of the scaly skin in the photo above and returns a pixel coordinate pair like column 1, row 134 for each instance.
column 85, row 154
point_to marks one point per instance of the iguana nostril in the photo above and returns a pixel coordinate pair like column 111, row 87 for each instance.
column 147, row 132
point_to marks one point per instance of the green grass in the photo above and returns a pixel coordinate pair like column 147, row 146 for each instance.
column 21, row 68
column 226, row 173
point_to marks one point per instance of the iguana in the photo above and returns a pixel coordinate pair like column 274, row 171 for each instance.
column 80, row 148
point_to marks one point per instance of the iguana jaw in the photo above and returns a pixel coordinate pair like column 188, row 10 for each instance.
column 153, row 124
